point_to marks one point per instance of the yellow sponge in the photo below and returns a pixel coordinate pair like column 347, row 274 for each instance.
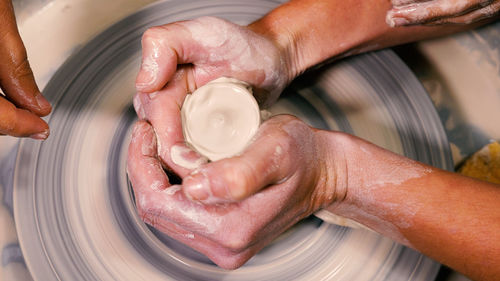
column 484, row 164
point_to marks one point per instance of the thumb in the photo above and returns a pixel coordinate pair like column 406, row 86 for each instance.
column 270, row 159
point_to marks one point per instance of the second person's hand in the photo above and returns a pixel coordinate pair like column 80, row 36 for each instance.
column 23, row 104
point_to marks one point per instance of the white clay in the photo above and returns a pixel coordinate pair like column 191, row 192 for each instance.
column 220, row 118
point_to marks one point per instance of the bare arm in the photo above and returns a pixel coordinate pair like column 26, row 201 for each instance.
column 311, row 31
column 449, row 217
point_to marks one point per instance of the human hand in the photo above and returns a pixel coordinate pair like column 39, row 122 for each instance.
column 180, row 57
column 231, row 208
column 433, row 12
column 23, row 104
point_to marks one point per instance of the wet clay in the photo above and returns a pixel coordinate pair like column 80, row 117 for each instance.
column 220, row 118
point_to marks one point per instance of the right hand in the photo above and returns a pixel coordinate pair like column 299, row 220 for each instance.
column 231, row 208
column 178, row 58
column 23, row 104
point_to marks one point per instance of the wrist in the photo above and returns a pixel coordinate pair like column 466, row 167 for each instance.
column 376, row 181
column 283, row 41
column 356, row 165
column 309, row 32
column 332, row 183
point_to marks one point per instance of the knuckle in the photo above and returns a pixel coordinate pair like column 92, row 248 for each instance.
column 152, row 34
column 148, row 216
column 210, row 20
column 158, row 33
column 22, row 68
column 242, row 178
column 236, row 243
column 230, row 260
column 291, row 130
column 17, row 63
column 241, row 234
column 235, row 181
column 142, row 205
column 233, row 245
column 18, row 57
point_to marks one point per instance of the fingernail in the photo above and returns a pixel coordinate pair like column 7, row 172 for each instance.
column 399, row 22
column 43, row 104
column 41, row 136
column 185, row 157
column 144, row 80
column 153, row 95
column 139, row 109
column 196, row 186
column 147, row 74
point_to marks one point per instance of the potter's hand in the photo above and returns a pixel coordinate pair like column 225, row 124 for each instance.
column 278, row 180
column 411, row 12
column 209, row 48
column 182, row 56
column 23, row 104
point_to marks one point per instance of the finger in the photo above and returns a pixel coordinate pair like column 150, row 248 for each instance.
column 418, row 13
column 219, row 253
column 163, row 48
column 139, row 109
column 144, row 168
column 167, row 209
column 182, row 155
column 162, row 110
column 21, row 123
column 474, row 16
column 159, row 59
column 228, row 234
column 197, row 42
column 158, row 203
column 16, row 76
column 149, row 181
column 406, row 2
column 270, row 159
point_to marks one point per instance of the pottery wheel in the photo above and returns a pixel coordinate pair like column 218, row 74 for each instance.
column 73, row 207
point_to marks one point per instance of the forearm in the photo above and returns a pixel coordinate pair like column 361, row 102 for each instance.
column 311, row 31
column 451, row 218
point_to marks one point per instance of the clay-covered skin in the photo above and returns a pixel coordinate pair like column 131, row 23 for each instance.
column 190, row 54
column 229, row 209
column 412, row 12
column 211, row 48
column 23, row 104
column 278, row 180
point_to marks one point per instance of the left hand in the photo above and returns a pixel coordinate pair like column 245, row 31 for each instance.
column 433, row 12
column 231, row 208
